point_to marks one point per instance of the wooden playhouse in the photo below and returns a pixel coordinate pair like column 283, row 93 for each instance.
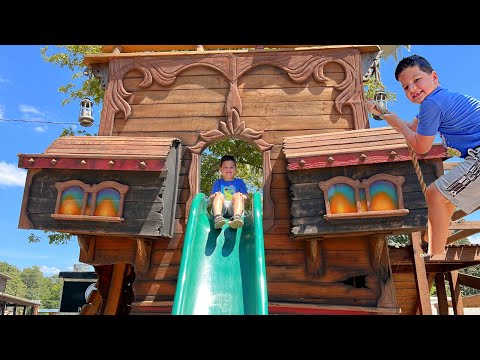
column 333, row 189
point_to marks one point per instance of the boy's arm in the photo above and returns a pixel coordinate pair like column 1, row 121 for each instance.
column 419, row 143
column 413, row 125
column 243, row 190
column 215, row 190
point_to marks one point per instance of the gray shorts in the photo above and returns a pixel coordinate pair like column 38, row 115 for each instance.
column 461, row 185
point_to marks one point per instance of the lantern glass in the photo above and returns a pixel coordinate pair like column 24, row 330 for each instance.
column 86, row 113
column 381, row 98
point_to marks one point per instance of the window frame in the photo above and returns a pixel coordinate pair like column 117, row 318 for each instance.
column 93, row 190
column 365, row 185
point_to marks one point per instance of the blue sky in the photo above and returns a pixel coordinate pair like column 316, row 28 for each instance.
column 29, row 95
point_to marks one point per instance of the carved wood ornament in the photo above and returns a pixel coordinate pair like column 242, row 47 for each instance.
column 299, row 66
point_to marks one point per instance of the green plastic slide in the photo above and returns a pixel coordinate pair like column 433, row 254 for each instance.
column 222, row 271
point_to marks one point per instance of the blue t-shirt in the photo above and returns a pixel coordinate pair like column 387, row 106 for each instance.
column 455, row 116
column 228, row 188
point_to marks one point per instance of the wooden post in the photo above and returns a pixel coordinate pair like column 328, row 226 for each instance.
column 457, row 302
column 381, row 265
column 441, row 294
column 313, row 256
column 142, row 257
column 87, row 248
column 115, row 289
column 420, row 274
column 95, row 300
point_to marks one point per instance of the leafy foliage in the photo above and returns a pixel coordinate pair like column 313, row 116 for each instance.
column 373, row 85
column 71, row 132
column 53, row 237
column 71, row 56
column 398, row 240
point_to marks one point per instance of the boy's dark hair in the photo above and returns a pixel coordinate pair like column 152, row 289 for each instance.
column 413, row 60
column 227, row 158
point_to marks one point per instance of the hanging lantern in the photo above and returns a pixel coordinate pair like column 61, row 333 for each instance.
column 380, row 98
column 86, row 117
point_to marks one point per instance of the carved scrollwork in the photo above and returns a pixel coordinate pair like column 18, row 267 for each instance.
column 299, row 67
column 234, row 126
column 162, row 71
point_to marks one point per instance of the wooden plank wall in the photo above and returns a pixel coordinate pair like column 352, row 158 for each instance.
column 308, row 204
column 140, row 207
column 271, row 101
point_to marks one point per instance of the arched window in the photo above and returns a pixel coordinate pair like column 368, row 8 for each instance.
column 99, row 202
column 378, row 196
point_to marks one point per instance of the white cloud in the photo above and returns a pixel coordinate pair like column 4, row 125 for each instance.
column 3, row 80
column 29, row 110
column 2, row 111
column 474, row 239
column 41, row 128
column 11, row 175
column 49, row 271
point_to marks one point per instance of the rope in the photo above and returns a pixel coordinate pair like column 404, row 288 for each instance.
column 418, row 170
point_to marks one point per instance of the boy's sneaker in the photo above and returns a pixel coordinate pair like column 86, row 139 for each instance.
column 426, row 256
column 236, row 222
column 219, row 221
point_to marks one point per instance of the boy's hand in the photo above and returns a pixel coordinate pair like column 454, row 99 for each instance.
column 373, row 108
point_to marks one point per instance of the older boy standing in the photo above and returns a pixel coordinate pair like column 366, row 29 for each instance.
column 457, row 118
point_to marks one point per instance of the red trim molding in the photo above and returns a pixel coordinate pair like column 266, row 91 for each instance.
column 85, row 163
column 361, row 158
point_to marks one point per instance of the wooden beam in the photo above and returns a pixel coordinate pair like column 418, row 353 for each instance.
column 460, row 235
column 469, row 280
column 313, row 257
column 115, row 289
column 380, row 263
column 441, row 294
column 465, row 225
column 142, row 257
column 455, row 254
column 298, row 308
column 457, row 303
column 421, row 275
column 471, row 301
column 95, row 299
column 87, row 248
column 458, row 214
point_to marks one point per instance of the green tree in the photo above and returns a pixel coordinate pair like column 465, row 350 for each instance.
column 31, row 284
column 15, row 285
column 50, row 292
column 32, row 277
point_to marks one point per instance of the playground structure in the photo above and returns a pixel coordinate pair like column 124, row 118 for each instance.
column 333, row 189
column 14, row 305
